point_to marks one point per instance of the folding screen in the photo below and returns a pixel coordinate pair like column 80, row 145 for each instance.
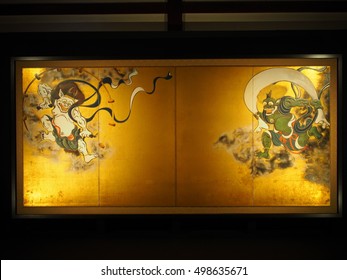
column 176, row 136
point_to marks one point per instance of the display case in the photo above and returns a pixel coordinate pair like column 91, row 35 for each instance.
column 177, row 136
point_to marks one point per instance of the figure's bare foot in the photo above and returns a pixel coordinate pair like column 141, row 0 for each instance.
column 88, row 158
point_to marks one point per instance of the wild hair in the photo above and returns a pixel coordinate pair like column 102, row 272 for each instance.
column 69, row 88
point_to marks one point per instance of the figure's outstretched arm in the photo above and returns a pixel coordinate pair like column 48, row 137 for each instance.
column 45, row 91
column 261, row 123
column 290, row 102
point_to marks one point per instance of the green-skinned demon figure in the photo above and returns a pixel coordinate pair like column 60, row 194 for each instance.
column 284, row 128
column 291, row 120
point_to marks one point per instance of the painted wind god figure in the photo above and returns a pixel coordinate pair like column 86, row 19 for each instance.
column 67, row 127
column 67, row 100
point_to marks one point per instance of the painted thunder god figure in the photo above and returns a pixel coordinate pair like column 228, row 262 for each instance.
column 281, row 127
column 294, row 118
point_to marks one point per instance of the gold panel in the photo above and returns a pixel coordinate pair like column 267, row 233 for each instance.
column 176, row 136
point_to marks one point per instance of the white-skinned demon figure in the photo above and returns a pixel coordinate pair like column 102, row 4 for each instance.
column 67, row 127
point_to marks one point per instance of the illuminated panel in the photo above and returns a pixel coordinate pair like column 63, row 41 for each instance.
column 176, row 136
column 209, row 105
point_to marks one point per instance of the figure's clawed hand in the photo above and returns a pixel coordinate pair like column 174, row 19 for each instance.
column 85, row 133
column 324, row 124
